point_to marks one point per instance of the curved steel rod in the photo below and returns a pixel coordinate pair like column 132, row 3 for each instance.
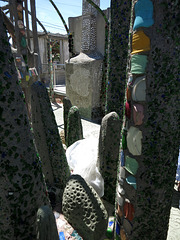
column 60, row 15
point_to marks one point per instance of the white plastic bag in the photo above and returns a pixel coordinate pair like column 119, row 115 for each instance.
column 82, row 160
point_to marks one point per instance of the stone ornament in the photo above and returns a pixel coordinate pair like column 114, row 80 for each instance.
column 83, row 209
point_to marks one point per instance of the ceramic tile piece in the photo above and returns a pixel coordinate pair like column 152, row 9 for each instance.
column 131, row 165
column 139, row 89
column 132, row 181
column 143, row 14
column 134, row 144
column 140, row 42
column 138, row 64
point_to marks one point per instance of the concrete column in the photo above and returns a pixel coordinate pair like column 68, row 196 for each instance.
column 89, row 14
column 61, row 52
column 84, row 72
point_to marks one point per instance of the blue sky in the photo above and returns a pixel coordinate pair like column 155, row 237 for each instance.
column 68, row 8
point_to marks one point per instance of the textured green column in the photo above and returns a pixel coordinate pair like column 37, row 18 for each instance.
column 74, row 126
column 161, row 131
column 157, row 160
column 66, row 107
column 117, row 56
column 47, row 138
column 22, row 184
column 108, row 153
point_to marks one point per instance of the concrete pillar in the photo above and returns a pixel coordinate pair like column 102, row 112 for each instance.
column 47, row 139
column 89, row 18
column 108, row 153
column 61, row 51
column 74, row 126
column 22, row 184
column 148, row 166
column 84, row 72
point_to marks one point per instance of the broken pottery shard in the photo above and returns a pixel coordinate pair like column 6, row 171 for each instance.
column 83, row 209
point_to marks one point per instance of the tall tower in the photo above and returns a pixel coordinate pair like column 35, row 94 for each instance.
column 84, row 72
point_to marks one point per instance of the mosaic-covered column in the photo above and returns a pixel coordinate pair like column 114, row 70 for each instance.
column 22, row 185
column 21, row 57
column 117, row 56
column 151, row 123
column 89, row 13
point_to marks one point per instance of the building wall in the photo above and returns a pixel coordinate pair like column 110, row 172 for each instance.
column 43, row 49
column 59, row 70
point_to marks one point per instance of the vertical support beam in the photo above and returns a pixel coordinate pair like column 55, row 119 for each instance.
column 21, row 179
column 17, row 8
column 35, row 38
column 51, row 87
column 61, row 51
column 54, row 75
column 150, row 146
column 12, row 19
column 118, row 53
column 17, row 31
column 27, row 23
column 89, row 13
